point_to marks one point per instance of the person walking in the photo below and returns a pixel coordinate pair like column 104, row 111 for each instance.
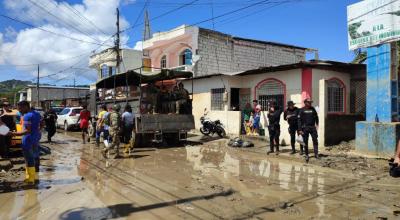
column 7, row 117
column 84, row 118
column 290, row 115
column 274, row 128
column 50, row 119
column 115, row 129
column 308, row 123
column 30, row 134
column 128, row 122
column 100, row 124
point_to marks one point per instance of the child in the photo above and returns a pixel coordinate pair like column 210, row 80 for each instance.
column 249, row 125
column 256, row 122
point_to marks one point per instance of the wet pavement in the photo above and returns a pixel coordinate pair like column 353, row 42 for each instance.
column 205, row 180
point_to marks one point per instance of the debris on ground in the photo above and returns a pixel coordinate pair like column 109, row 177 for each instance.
column 344, row 146
column 5, row 165
column 237, row 142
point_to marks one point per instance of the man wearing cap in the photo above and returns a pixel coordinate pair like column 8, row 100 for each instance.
column 308, row 122
column 290, row 115
column 274, row 128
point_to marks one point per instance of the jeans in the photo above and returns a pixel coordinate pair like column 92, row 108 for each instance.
column 29, row 156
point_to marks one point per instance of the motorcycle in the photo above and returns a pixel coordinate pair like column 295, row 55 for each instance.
column 211, row 127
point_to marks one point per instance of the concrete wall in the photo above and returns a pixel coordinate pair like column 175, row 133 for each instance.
column 221, row 53
column 55, row 93
column 340, row 128
column 318, row 74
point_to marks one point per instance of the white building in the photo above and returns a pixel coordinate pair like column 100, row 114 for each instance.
column 54, row 95
column 329, row 84
column 105, row 62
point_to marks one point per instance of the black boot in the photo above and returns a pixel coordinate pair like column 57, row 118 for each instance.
column 301, row 150
column 271, row 149
column 316, row 152
column 293, row 149
column 277, row 149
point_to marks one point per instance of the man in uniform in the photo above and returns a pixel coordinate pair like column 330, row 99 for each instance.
column 115, row 129
column 290, row 115
column 308, row 123
column 50, row 118
column 274, row 128
column 183, row 97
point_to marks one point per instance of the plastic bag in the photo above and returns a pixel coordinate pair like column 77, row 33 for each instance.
column 300, row 140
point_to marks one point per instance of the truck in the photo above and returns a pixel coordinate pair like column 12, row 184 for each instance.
column 133, row 88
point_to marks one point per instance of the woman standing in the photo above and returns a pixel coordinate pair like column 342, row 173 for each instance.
column 84, row 118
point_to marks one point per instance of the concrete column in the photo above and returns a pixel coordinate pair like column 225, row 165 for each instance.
column 323, row 109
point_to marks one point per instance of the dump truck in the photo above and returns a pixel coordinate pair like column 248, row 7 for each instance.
column 133, row 88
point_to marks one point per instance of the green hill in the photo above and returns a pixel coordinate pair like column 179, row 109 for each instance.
column 9, row 88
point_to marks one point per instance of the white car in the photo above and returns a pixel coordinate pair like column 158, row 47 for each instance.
column 68, row 118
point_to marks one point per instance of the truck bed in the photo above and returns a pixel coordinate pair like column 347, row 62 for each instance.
column 165, row 123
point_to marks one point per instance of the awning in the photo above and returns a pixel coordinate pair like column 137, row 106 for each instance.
column 134, row 78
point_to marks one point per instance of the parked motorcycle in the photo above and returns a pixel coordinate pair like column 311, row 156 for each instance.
column 211, row 127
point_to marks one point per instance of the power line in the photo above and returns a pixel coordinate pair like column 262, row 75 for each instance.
column 45, row 30
column 58, row 18
column 84, row 17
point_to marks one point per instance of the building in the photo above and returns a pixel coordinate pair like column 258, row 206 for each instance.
column 331, row 85
column 105, row 62
column 206, row 52
column 54, row 95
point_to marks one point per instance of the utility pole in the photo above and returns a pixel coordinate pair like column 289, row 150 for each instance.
column 74, row 82
column 117, row 44
column 37, row 87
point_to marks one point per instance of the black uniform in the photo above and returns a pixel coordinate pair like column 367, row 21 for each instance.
column 274, row 129
column 307, row 120
column 50, row 118
column 291, row 116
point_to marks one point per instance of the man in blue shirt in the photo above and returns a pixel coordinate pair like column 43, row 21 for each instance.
column 30, row 136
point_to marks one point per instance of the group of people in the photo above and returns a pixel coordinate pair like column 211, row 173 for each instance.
column 115, row 127
column 31, row 122
column 303, row 122
column 165, row 101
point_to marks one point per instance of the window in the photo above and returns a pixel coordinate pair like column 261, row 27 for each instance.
column 112, row 70
column 65, row 111
column 104, row 71
column 217, row 99
column 269, row 91
column 185, row 58
column 163, row 62
column 335, row 95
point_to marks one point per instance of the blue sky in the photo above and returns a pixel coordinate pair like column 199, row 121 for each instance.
column 319, row 24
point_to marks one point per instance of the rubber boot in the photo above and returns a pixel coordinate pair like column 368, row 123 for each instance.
column 26, row 174
column 306, row 156
column 31, row 177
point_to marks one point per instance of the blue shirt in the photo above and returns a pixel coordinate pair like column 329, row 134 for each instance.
column 32, row 121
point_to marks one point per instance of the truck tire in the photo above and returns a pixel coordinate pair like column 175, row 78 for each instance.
column 137, row 141
column 172, row 139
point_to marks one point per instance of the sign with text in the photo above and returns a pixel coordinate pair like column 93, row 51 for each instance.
column 373, row 22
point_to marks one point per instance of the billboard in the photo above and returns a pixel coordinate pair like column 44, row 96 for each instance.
column 373, row 22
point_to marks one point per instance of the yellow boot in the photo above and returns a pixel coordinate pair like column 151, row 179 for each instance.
column 31, row 176
column 26, row 174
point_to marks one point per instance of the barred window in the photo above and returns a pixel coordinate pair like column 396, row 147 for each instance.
column 335, row 96
column 270, row 91
column 104, row 71
column 163, row 62
column 217, row 99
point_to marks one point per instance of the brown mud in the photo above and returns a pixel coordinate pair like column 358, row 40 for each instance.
column 198, row 181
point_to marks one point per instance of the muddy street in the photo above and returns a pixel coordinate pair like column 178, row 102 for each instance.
column 205, row 180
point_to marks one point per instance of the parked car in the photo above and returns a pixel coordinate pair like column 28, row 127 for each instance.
column 68, row 118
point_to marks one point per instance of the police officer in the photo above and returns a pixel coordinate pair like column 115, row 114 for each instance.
column 115, row 128
column 308, row 122
column 274, row 128
column 290, row 115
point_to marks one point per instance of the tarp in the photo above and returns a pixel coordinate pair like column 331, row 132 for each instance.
column 134, row 78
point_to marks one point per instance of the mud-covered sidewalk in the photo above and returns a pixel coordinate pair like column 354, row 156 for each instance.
column 204, row 179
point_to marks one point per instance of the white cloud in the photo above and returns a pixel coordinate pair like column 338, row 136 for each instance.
column 138, row 45
column 31, row 45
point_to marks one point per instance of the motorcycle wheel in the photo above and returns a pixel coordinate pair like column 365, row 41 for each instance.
column 221, row 132
column 205, row 131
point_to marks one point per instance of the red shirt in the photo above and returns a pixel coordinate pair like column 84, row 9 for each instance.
column 84, row 116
